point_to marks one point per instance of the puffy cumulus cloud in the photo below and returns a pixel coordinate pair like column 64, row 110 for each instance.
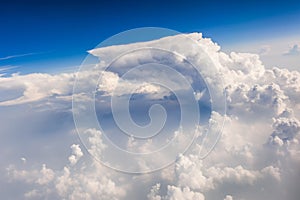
column 154, row 193
column 257, row 156
column 89, row 181
column 256, row 99
column 228, row 197
column 240, row 175
column 246, row 65
column 286, row 129
column 191, row 172
column 175, row 193
column 284, row 140
column 76, row 154
column 47, row 175
column 289, row 82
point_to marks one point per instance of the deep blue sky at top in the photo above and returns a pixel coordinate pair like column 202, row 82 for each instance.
column 60, row 32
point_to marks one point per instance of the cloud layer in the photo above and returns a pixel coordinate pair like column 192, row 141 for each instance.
column 257, row 157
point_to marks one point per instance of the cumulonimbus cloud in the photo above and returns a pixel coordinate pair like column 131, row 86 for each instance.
column 256, row 158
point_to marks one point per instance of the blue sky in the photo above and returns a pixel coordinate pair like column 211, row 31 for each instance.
column 51, row 35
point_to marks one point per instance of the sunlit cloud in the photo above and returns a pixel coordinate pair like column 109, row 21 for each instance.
column 257, row 156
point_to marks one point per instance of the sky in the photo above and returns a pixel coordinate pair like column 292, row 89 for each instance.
column 53, row 35
column 157, row 100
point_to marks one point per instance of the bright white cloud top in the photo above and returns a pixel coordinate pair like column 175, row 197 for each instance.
column 257, row 157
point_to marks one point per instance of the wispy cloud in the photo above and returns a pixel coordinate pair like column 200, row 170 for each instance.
column 264, row 50
column 19, row 55
column 7, row 67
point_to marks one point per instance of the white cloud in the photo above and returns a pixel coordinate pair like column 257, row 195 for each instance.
column 272, row 51
column 17, row 56
column 76, row 154
column 23, row 160
column 228, row 197
column 47, row 175
column 154, row 193
column 176, row 193
column 257, row 156
column 36, row 87
column 85, row 182
column 286, row 128
column 293, row 51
